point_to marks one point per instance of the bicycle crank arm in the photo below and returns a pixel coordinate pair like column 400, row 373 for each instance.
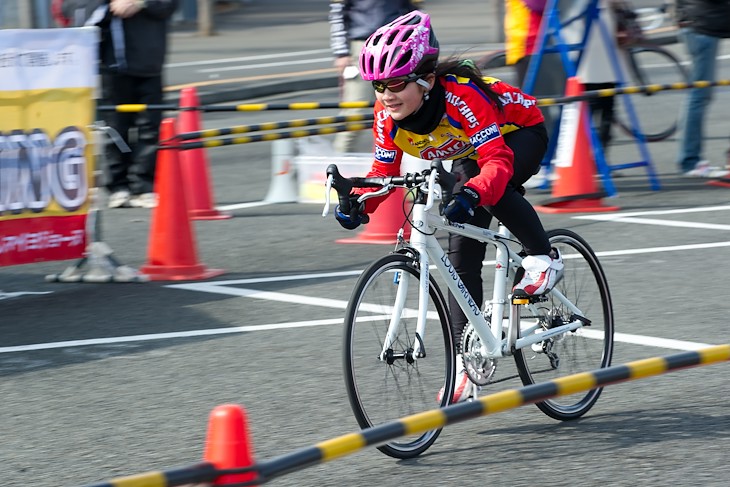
column 544, row 335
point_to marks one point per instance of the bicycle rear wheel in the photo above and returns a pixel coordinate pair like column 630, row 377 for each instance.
column 397, row 384
column 586, row 349
column 648, row 65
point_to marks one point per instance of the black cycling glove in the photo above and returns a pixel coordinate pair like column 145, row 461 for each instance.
column 356, row 216
column 462, row 204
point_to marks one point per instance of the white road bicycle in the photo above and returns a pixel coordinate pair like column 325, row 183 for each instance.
column 398, row 344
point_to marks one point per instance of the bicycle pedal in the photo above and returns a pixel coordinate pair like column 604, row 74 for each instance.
column 524, row 300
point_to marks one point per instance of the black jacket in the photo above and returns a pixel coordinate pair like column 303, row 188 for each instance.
column 136, row 45
column 357, row 19
column 709, row 17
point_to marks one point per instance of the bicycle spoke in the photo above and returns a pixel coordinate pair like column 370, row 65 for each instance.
column 400, row 383
column 583, row 350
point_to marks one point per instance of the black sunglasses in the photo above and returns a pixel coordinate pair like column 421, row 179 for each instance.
column 394, row 85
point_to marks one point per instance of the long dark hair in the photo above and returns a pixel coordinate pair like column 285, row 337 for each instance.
column 466, row 68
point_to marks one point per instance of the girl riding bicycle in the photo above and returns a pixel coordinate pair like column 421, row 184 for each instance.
column 494, row 134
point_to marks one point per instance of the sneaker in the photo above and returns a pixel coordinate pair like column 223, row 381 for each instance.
column 464, row 387
column 542, row 272
column 144, row 200
column 119, row 199
column 704, row 170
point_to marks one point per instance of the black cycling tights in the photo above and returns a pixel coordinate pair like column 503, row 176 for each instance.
column 529, row 145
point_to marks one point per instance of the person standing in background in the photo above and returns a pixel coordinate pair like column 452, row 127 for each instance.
column 133, row 48
column 703, row 23
column 522, row 19
column 603, row 62
column 351, row 23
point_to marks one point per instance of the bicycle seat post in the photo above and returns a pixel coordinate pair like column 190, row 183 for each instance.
column 499, row 290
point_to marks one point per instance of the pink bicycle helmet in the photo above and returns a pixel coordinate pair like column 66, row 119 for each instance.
column 399, row 48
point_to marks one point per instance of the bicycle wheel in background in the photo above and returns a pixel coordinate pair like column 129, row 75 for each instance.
column 584, row 350
column 647, row 65
column 495, row 65
column 398, row 385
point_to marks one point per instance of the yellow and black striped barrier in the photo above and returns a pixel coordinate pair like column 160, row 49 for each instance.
column 269, row 136
column 269, row 126
column 341, row 446
column 250, row 107
column 258, row 107
column 494, row 403
column 630, row 90
column 195, row 474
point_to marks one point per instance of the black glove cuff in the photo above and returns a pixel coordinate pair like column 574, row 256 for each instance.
column 471, row 194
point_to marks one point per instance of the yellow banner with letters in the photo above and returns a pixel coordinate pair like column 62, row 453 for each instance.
column 47, row 83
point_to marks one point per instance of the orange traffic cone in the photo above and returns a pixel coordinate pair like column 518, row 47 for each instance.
column 227, row 444
column 194, row 162
column 385, row 222
column 723, row 182
column 171, row 252
column 574, row 189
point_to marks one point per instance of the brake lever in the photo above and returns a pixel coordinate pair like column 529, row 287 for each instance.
column 328, row 190
column 373, row 194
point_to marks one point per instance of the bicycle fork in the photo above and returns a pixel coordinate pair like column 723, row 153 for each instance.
column 402, row 281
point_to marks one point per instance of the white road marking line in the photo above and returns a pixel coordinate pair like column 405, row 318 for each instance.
column 168, row 336
column 618, row 337
column 670, row 223
column 238, row 206
column 245, row 58
column 613, row 216
column 266, row 65
column 21, row 293
column 631, row 217
column 272, row 296
column 649, row 341
column 672, row 248
column 259, row 280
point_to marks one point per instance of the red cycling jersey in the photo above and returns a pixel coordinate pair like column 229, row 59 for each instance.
column 472, row 126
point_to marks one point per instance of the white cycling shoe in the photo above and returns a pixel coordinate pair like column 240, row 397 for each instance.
column 542, row 272
column 464, row 388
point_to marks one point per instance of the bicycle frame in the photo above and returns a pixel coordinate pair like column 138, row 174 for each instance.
column 430, row 252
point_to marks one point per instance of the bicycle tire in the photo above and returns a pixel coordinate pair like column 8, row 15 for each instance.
column 494, row 64
column 650, row 64
column 584, row 350
column 380, row 392
column 492, row 60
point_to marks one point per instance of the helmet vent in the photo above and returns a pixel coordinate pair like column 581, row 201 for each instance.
column 405, row 59
column 391, row 38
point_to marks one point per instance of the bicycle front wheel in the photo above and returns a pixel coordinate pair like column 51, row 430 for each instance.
column 387, row 381
column 586, row 349
column 649, row 65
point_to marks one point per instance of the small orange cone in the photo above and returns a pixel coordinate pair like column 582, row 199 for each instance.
column 194, row 162
column 574, row 189
column 385, row 222
column 171, row 252
column 227, row 444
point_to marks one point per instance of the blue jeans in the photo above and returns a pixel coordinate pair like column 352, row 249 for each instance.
column 703, row 52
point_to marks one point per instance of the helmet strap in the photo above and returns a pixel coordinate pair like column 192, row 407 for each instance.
column 425, row 84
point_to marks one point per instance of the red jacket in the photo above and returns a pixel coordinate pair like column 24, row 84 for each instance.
column 472, row 126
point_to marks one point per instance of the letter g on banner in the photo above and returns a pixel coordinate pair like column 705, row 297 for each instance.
column 35, row 171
